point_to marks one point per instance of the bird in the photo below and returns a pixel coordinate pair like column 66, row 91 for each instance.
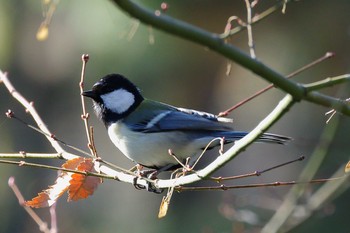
column 146, row 131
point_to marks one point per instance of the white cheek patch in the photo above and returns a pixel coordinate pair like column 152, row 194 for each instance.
column 118, row 101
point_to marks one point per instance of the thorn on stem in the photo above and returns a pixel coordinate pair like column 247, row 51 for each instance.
column 21, row 163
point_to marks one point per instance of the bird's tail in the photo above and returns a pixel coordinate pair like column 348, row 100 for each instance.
column 266, row 137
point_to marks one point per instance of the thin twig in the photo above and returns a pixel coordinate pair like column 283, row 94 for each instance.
column 54, row 228
column 85, row 115
column 36, row 165
column 259, row 185
column 328, row 82
column 256, row 19
column 10, row 114
column 25, row 155
column 309, row 171
column 30, row 108
column 256, row 173
column 291, row 75
column 250, row 30
column 42, row 225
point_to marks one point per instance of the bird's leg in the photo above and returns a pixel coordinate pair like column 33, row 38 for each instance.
column 139, row 174
column 150, row 174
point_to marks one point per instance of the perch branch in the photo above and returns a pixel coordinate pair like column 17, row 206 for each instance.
column 282, row 107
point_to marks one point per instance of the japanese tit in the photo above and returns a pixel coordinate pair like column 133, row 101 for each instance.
column 145, row 130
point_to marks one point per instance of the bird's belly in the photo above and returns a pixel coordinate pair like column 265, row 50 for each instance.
column 151, row 149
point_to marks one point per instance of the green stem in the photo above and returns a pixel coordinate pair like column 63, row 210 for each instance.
column 217, row 44
column 328, row 82
column 212, row 41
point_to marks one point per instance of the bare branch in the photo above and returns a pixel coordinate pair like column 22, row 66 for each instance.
column 30, row 108
column 249, row 29
column 42, row 225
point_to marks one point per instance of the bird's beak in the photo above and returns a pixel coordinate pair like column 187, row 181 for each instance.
column 90, row 94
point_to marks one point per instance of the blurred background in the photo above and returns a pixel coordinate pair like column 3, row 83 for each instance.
column 180, row 73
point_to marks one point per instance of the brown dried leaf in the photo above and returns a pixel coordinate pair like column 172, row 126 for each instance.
column 347, row 167
column 163, row 209
column 49, row 196
column 81, row 186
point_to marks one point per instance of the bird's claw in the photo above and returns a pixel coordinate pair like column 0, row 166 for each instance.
column 150, row 187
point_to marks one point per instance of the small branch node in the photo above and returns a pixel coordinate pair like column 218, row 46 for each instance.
column 330, row 54
column 85, row 116
column 9, row 113
column 60, row 156
column 254, row 3
column 23, row 153
column 85, row 58
column 218, row 179
column 164, row 6
column 157, row 12
column 31, row 103
column 11, row 181
column 98, row 159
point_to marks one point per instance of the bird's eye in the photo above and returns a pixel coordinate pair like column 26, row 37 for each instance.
column 97, row 87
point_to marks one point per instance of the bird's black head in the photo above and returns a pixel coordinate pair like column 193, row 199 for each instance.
column 114, row 98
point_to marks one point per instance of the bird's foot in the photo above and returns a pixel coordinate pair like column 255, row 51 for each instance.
column 150, row 174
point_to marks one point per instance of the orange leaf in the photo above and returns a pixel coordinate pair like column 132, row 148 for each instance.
column 81, row 186
column 42, row 200
column 49, row 196
column 73, row 163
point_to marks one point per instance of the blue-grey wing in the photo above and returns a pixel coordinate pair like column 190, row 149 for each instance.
column 172, row 119
column 178, row 120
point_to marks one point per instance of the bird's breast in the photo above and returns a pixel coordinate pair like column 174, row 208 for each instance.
column 150, row 149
